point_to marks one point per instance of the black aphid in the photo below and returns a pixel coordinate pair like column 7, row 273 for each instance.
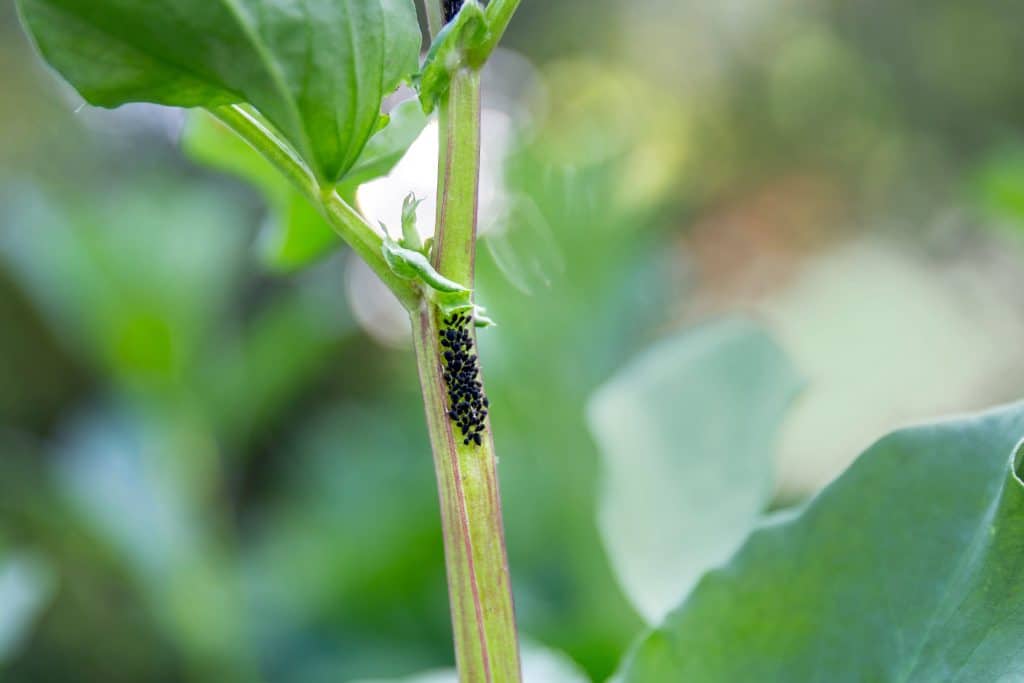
column 467, row 403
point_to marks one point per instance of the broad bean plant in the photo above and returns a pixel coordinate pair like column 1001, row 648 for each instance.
column 907, row 568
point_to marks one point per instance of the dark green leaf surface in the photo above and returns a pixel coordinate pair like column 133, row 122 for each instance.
column 317, row 69
column 908, row 568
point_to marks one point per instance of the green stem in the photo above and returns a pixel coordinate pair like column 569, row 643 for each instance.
column 458, row 177
column 479, row 586
column 342, row 218
column 350, row 224
column 259, row 133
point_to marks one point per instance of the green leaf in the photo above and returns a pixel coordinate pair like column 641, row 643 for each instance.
column 297, row 233
column 317, row 70
column 686, row 432
column 907, row 568
column 413, row 265
column 410, row 235
column 448, row 52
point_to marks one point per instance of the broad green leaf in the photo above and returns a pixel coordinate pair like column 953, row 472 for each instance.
column 317, row 69
column 297, row 234
column 908, row 568
column 687, row 434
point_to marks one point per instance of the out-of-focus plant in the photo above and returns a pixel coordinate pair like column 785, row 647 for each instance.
column 26, row 583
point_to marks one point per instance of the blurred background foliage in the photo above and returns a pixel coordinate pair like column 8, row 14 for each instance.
column 216, row 470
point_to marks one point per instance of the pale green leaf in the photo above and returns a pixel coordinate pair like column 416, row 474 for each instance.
column 687, row 434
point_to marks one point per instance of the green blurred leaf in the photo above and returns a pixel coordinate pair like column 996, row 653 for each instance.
column 318, row 70
column 906, row 568
column 998, row 185
column 138, row 483
column 687, row 434
column 255, row 373
column 26, row 586
column 135, row 278
column 377, row 589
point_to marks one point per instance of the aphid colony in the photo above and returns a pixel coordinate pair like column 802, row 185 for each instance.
column 467, row 405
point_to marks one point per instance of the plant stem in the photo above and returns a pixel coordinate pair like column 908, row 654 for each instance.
column 458, row 178
column 342, row 218
column 352, row 227
column 479, row 586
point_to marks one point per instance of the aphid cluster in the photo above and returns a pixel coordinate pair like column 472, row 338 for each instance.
column 467, row 405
